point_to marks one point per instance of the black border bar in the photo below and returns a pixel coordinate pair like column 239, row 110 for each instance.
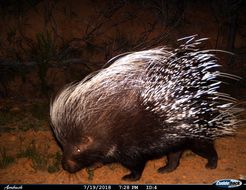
column 110, row 187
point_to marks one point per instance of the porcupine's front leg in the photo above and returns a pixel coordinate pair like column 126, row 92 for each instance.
column 136, row 167
column 172, row 162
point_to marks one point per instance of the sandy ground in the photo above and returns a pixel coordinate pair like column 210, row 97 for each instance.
column 231, row 164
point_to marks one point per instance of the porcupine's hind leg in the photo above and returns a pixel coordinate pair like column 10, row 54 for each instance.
column 206, row 149
column 203, row 148
column 172, row 162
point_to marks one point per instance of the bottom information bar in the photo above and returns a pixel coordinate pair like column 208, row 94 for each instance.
column 110, row 187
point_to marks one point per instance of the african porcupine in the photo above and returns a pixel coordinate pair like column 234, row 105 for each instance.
column 145, row 105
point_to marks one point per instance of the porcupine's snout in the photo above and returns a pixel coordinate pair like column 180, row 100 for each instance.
column 70, row 165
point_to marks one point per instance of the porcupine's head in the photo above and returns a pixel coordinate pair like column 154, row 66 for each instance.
column 69, row 132
column 86, row 116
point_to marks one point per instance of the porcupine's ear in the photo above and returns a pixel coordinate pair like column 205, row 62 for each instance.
column 86, row 141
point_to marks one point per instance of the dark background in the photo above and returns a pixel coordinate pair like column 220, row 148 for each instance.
column 46, row 44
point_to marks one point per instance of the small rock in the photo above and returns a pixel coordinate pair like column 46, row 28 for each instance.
column 15, row 109
column 242, row 177
column 148, row 182
column 229, row 169
column 12, row 138
column 177, row 180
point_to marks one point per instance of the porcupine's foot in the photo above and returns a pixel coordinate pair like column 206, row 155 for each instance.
column 136, row 168
column 206, row 150
column 212, row 163
column 131, row 177
column 172, row 162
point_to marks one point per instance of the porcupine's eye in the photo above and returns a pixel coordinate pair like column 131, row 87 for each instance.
column 82, row 146
column 77, row 149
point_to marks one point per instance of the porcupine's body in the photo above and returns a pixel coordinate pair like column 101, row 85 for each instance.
column 145, row 105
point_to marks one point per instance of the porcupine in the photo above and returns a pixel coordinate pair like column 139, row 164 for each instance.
column 143, row 106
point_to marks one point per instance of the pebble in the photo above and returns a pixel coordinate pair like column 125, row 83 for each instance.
column 15, row 109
